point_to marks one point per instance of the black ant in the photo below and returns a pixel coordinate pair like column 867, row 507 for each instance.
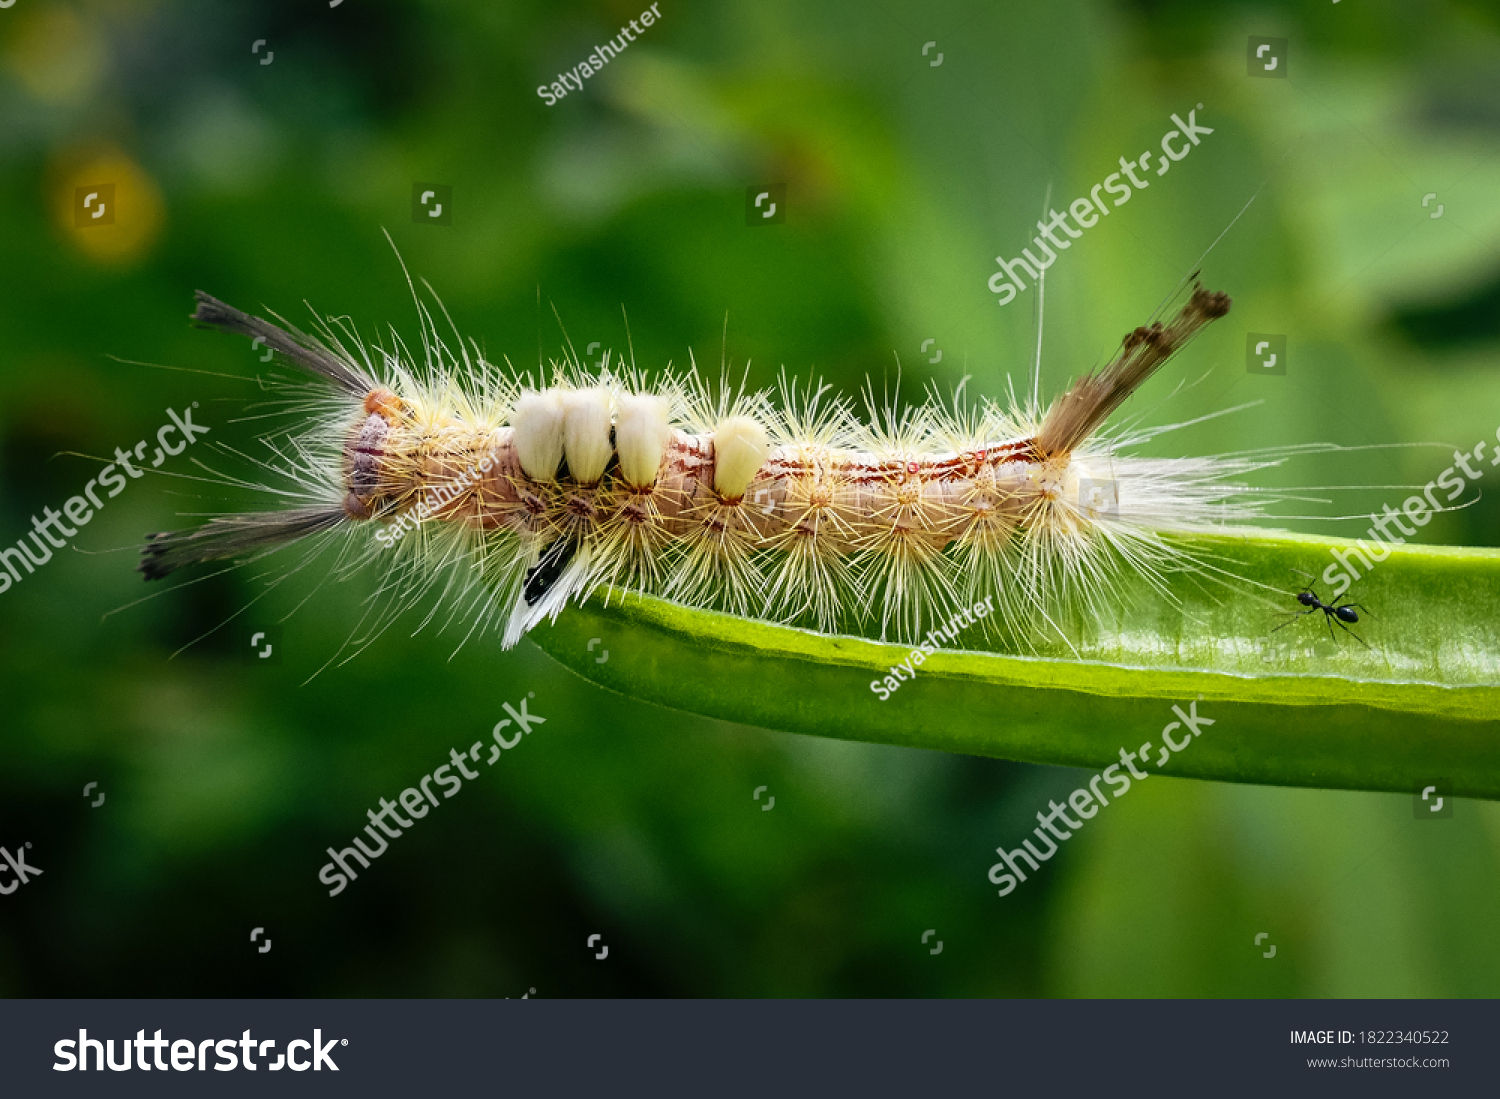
column 1336, row 611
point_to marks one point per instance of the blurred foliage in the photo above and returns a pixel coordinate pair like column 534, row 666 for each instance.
column 268, row 185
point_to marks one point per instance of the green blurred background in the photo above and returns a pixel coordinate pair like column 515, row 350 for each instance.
column 269, row 184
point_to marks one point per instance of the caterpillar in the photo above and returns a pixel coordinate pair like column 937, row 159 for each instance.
column 512, row 495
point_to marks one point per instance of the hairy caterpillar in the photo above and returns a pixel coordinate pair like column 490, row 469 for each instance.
column 794, row 511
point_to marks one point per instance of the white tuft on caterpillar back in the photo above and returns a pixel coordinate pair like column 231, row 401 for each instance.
column 797, row 512
column 538, row 431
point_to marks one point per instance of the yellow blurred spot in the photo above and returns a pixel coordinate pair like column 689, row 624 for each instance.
column 104, row 203
column 57, row 56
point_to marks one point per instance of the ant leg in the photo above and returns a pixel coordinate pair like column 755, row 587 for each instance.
column 1294, row 617
column 1348, row 631
column 1329, row 615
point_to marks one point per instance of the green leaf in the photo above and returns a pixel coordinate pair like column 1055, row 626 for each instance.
column 1420, row 706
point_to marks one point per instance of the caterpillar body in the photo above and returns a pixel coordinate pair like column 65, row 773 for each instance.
column 517, row 496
